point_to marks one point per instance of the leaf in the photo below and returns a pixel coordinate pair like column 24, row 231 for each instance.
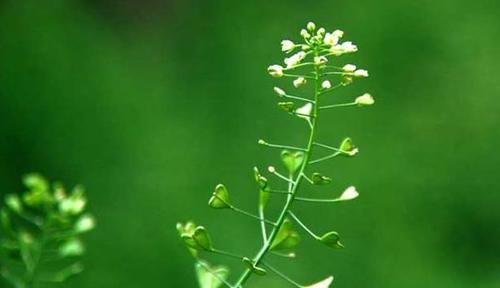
column 286, row 238
column 256, row 269
column 331, row 239
column 210, row 277
column 220, row 198
column 319, row 179
column 14, row 203
column 292, row 160
column 322, row 284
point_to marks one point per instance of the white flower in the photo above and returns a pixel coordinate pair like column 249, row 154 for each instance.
column 365, row 100
column 349, row 68
column 333, row 38
column 361, row 73
column 321, row 31
column 305, row 111
column 295, row 59
column 299, row 82
column 344, row 48
column 349, row 194
column 287, row 46
column 311, row 26
column 322, row 284
column 279, row 91
column 275, row 70
column 318, row 60
column 326, row 84
column 305, row 34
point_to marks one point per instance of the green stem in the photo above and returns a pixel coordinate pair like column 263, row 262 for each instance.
column 293, row 187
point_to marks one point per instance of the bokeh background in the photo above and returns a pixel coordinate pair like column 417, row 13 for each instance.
column 149, row 104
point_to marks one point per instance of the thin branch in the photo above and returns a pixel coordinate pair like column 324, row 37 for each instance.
column 298, row 98
column 326, row 146
column 262, row 223
column 225, row 253
column 251, row 215
column 338, row 105
column 325, row 158
column 318, row 200
column 282, row 275
column 303, row 225
column 297, row 76
column 279, row 146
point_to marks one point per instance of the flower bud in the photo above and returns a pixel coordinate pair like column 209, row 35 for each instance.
column 349, row 194
column 305, row 34
column 299, row 82
column 365, row 100
column 326, row 84
column 321, row 31
column 349, row 68
column 295, row 59
column 275, row 71
column 361, row 73
column 287, row 46
column 311, row 26
column 318, row 60
column 279, row 91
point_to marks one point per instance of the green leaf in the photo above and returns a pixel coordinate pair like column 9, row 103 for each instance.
column 331, row 239
column 319, row 179
column 14, row 203
column 256, row 269
column 220, row 198
column 5, row 220
column 292, row 160
column 322, row 284
column 261, row 180
column 286, row 238
column 210, row 277
column 287, row 106
column 201, row 237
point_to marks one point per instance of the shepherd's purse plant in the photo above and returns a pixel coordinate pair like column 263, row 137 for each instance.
column 311, row 63
column 40, row 234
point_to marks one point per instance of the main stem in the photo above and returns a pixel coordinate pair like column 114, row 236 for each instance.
column 292, row 188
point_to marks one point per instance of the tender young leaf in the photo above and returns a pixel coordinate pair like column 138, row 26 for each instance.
column 331, row 239
column 261, row 180
column 210, row 277
column 68, row 272
column 14, row 203
column 292, row 160
column 319, row 179
column 220, row 198
column 322, row 284
column 257, row 270
column 286, row 238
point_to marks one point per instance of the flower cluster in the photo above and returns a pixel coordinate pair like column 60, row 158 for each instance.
column 44, row 222
column 309, row 63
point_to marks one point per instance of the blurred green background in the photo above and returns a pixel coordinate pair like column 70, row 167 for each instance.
column 149, row 104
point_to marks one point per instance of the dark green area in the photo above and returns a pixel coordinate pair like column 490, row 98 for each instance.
column 152, row 104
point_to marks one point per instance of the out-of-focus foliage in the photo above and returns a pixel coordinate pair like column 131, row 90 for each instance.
column 40, row 234
column 150, row 102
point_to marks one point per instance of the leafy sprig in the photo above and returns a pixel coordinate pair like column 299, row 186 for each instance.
column 310, row 64
column 40, row 234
